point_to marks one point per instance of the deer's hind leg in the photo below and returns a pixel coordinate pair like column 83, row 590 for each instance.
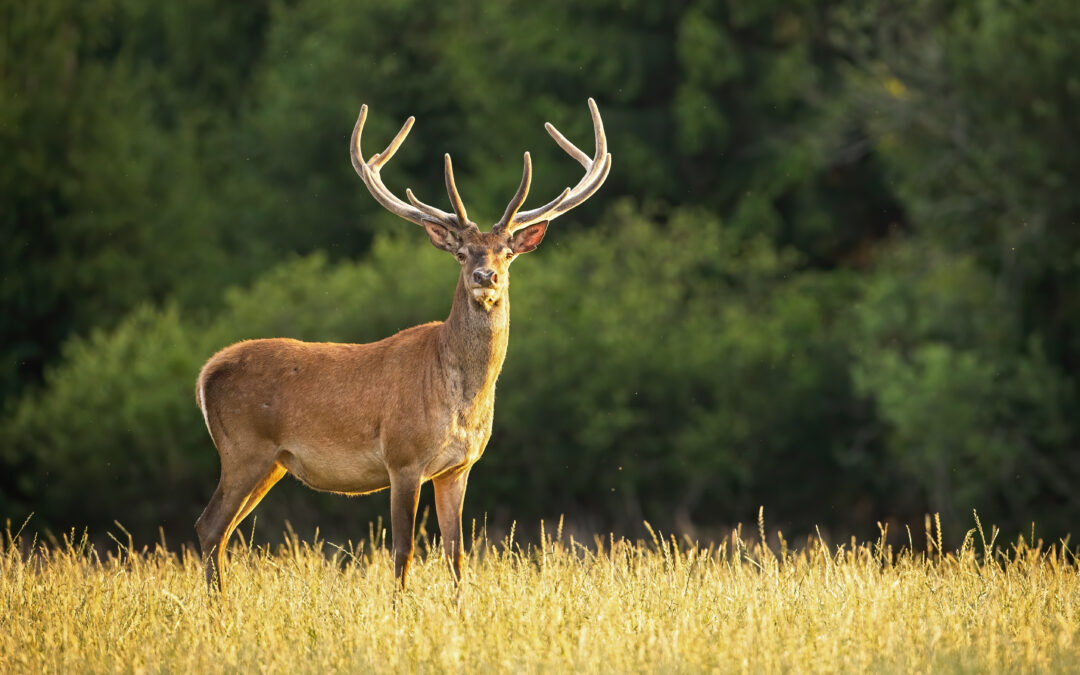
column 276, row 473
column 239, row 491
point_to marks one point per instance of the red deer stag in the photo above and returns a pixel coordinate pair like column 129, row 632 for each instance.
column 416, row 406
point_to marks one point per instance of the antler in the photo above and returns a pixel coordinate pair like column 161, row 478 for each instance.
column 417, row 211
column 596, row 171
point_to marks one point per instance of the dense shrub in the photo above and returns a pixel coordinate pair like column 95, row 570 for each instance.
column 661, row 367
column 657, row 366
column 115, row 434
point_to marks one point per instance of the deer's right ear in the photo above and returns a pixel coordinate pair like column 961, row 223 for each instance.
column 442, row 237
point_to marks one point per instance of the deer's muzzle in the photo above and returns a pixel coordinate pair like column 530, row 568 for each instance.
column 485, row 277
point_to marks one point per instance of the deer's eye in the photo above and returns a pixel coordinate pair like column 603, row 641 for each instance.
column 509, row 255
column 460, row 255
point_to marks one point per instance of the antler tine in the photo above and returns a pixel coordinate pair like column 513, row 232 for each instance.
column 383, row 157
column 369, row 174
column 354, row 145
column 519, row 197
column 584, row 190
column 451, row 190
column 436, row 213
column 596, row 167
column 600, row 139
column 564, row 143
column 598, row 129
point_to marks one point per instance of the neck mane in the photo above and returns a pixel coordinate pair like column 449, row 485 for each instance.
column 473, row 341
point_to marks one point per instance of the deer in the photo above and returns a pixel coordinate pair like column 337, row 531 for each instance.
column 414, row 407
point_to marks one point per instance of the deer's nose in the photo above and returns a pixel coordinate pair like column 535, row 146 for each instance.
column 485, row 276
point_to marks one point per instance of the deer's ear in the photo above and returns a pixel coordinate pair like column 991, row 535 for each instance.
column 442, row 237
column 529, row 238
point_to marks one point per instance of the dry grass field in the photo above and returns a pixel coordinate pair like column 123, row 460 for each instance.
column 607, row 606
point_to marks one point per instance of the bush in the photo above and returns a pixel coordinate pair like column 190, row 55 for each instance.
column 668, row 370
column 971, row 413
column 661, row 367
column 651, row 363
column 115, row 434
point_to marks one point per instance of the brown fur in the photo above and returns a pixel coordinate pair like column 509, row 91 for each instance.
column 356, row 418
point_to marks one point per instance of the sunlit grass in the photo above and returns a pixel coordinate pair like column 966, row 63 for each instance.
column 608, row 606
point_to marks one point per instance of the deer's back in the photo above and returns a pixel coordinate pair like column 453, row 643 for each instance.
column 287, row 390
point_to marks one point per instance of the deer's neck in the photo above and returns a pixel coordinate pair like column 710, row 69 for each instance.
column 473, row 345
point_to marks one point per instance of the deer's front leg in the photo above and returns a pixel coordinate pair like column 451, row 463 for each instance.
column 404, row 494
column 449, row 497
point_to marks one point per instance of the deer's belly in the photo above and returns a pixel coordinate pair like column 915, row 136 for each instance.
column 331, row 469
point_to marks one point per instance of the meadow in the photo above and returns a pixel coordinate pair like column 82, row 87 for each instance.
column 606, row 605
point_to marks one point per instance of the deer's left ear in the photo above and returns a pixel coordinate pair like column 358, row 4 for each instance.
column 528, row 238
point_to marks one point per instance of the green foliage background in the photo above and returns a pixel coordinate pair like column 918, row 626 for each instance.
column 832, row 271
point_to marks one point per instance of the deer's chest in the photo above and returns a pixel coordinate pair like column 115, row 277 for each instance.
column 463, row 442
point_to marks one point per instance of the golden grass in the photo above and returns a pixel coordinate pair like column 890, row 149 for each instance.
column 614, row 606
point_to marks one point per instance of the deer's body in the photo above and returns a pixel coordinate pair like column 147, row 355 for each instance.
column 345, row 417
column 416, row 406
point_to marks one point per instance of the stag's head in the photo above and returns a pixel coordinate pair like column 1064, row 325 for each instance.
column 485, row 257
